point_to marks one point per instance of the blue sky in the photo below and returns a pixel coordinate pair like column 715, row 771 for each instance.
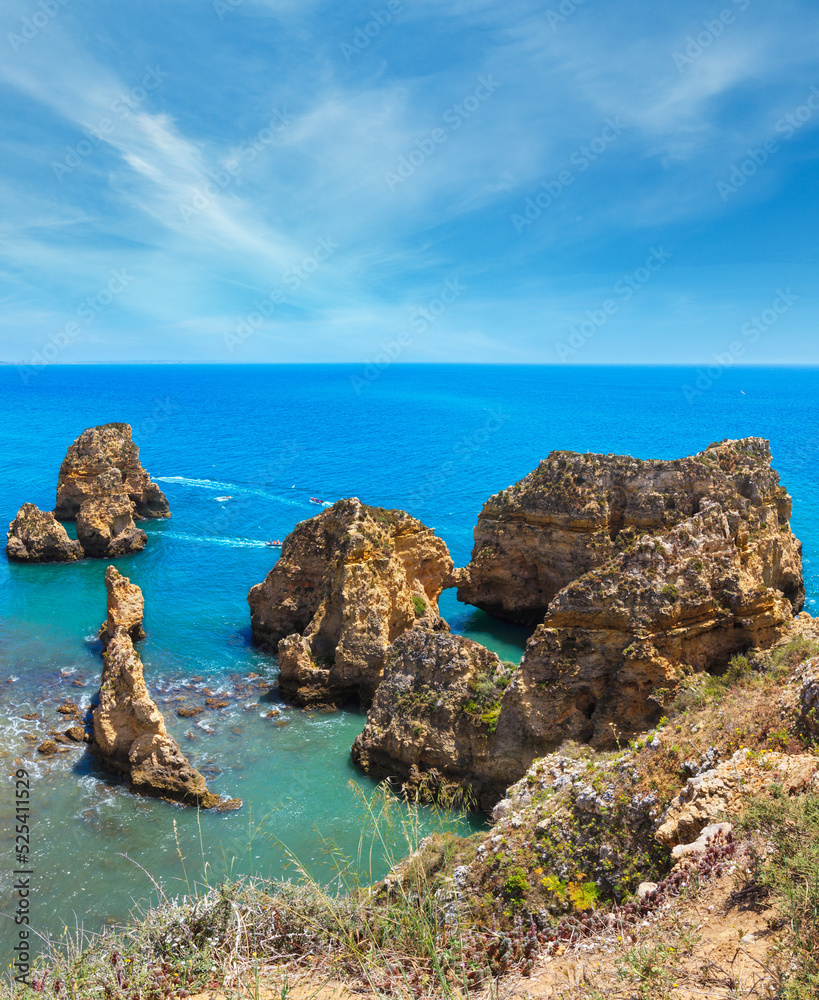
column 425, row 180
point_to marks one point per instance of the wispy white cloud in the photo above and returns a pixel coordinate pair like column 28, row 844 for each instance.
column 172, row 191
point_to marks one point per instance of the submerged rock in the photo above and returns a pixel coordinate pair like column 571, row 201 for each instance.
column 348, row 583
column 105, row 523
column 576, row 512
column 126, row 607
column 129, row 734
column 36, row 536
column 85, row 473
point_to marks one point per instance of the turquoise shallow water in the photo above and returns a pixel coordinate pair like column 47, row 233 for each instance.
column 435, row 440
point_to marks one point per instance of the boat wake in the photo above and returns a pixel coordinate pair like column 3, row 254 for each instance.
column 232, row 543
column 232, row 491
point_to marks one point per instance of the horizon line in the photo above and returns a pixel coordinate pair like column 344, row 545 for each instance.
column 416, row 364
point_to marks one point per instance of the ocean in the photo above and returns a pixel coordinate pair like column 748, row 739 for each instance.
column 239, row 450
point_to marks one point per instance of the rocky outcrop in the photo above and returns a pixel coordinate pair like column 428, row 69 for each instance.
column 126, row 607
column 85, row 473
column 129, row 734
column 431, row 722
column 105, row 523
column 615, row 642
column 576, row 512
column 808, row 697
column 35, row 536
column 725, row 791
column 349, row 582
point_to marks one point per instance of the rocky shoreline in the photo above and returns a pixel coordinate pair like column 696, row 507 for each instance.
column 638, row 575
column 671, row 677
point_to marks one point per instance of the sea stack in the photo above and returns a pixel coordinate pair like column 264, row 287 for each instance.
column 129, row 734
column 105, row 522
column 126, row 607
column 85, row 473
column 575, row 512
column 348, row 583
column 36, row 536
column 662, row 568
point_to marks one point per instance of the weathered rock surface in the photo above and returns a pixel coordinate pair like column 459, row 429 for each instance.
column 725, row 791
column 35, row 536
column 349, row 582
column 615, row 643
column 129, row 734
column 106, row 528
column 96, row 453
column 808, row 695
column 700, row 845
column 575, row 512
column 433, row 715
column 126, row 607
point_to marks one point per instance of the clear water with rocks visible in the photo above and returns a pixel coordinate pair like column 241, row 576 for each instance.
column 239, row 450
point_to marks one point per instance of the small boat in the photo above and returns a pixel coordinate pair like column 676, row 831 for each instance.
column 316, row 500
column 274, row 544
column 223, row 498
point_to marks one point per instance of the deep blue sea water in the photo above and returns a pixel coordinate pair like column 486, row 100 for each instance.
column 434, row 440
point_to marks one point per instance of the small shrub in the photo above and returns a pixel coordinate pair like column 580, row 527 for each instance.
column 516, row 885
column 738, row 668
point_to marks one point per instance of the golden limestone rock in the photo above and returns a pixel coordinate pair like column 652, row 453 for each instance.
column 35, row 536
column 575, row 512
column 691, row 563
column 101, row 450
column 129, row 734
column 431, row 723
column 349, row 582
column 126, row 607
column 614, row 644
column 105, row 523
